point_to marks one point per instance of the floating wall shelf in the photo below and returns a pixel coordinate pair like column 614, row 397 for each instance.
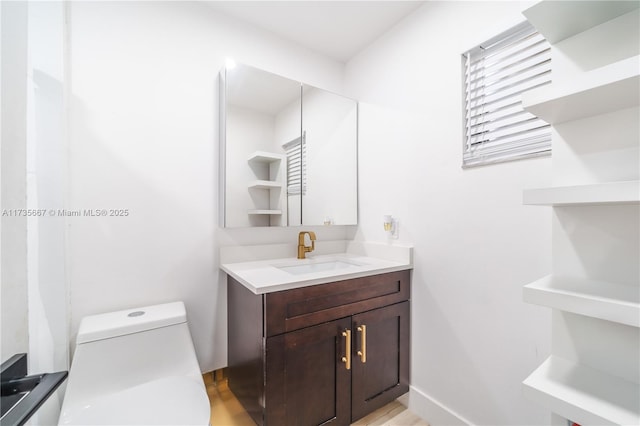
column 609, row 301
column 583, row 394
column 557, row 20
column 627, row 192
column 610, row 88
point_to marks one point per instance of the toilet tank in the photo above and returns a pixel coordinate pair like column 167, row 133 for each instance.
column 121, row 323
column 132, row 347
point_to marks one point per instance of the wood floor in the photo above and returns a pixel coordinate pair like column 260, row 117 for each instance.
column 227, row 411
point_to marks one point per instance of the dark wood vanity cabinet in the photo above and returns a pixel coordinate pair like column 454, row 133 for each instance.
column 289, row 350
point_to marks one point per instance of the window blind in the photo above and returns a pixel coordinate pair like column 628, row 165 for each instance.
column 296, row 151
column 496, row 73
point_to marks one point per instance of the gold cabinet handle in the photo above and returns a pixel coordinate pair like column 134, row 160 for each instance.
column 347, row 344
column 363, row 343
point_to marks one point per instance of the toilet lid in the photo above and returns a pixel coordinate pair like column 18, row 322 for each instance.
column 168, row 401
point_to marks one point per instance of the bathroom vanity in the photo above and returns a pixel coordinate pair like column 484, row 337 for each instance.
column 330, row 347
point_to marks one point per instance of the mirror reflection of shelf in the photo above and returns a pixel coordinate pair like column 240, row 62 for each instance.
column 269, row 169
column 265, row 184
column 265, row 157
column 264, row 212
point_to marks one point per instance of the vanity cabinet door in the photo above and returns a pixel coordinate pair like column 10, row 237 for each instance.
column 383, row 335
column 307, row 383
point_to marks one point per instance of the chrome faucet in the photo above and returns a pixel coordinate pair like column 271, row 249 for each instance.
column 302, row 248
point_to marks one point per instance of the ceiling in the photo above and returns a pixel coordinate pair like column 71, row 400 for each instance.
column 337, row 29
column 258, row 90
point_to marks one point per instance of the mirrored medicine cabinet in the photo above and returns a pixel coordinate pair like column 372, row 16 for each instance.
column 288, row 152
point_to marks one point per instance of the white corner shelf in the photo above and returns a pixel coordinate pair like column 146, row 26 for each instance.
column 264, row 212
column 576, row 385
column 265, row 184
column 583, row 394
column 557, row 20
column 265, row 157
column 610, row 88
column 627, row 192
column 604, row 300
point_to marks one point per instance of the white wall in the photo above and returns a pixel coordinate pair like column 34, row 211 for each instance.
column 46, row 182
column 34, row 297
column 46, row 187
column 473, row 339
column 143, row 138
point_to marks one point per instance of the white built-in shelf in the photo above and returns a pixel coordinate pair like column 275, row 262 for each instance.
column 607, row 89
column 627, row 192
column 557, row 20
column 583, row 394
column 265, row 184
column 265, row 157
column 609, row 301
column 264, row 212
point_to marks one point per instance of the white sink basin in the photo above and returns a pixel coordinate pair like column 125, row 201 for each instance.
column 320, row 266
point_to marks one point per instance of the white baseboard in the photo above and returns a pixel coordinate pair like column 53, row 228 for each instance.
column 434, row 412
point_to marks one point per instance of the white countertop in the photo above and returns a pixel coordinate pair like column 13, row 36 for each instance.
column 264, row 276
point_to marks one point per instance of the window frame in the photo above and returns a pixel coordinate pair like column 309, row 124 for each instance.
column 535, row 134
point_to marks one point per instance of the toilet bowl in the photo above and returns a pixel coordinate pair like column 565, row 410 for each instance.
column 135, row 367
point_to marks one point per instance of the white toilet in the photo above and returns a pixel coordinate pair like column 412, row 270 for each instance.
column 135, row 367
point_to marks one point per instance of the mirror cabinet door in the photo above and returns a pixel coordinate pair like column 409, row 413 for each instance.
column 288, row 152
column 261, row 115
column 330, row 129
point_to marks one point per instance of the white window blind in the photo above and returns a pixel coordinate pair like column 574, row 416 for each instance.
column 296, row 163
column 496, row 73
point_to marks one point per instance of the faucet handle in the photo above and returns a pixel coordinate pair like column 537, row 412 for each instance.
column 301, row 234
